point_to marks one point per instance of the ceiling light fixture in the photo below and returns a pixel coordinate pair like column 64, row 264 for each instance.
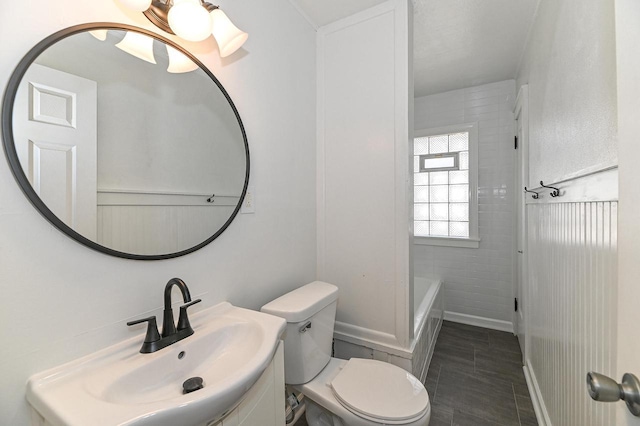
column 99, row 34
column 138, row 45
column 179, row 62
column 192, row 20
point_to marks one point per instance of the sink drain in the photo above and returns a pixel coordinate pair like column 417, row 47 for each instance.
column 193, row 384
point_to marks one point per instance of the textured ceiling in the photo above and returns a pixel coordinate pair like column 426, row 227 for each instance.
column 457, row 43
column 463, row 43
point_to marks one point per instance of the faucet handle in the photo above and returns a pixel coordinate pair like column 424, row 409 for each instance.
column 152, row 329
column 183, row 319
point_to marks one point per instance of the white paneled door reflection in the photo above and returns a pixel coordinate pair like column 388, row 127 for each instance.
column 55, row 133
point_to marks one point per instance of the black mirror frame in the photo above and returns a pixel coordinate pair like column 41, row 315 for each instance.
column 23, row 181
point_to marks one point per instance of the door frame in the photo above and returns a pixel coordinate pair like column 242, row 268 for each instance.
column 627, row 25
column 520, row 283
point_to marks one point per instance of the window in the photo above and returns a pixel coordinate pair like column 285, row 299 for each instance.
column 445, row 186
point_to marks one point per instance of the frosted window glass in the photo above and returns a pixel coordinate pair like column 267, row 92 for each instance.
column 438, row 144
column 439, row 211
column 421, row 194
column 420, row 146
column 464, row 161
column 441, row 196
column 421, row 228
column 421, row 211
column 459, row 229
column 459, row 142
column 460, row 176
column 439, row 178
column 421, row 178
column 438, row 163
column 439, row 193
column 459, row 212
column 459, row 193
column 439, row 229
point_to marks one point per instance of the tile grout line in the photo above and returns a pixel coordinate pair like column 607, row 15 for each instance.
column 475, row 370
column 515, row 398
column 435, row 392
column 501, row 346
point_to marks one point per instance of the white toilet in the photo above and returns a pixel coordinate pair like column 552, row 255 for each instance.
column 358, row 392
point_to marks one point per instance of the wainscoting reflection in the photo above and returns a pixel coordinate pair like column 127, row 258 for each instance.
column 159, row 222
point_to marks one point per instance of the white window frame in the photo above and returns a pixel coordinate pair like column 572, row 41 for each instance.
column 473, row 241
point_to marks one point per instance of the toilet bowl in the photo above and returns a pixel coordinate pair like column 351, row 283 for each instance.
column 355, row 392
column 392, row 407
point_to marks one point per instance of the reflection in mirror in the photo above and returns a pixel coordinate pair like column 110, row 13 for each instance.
column 125, row 138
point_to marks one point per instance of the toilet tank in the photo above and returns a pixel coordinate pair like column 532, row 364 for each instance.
column 310, row 312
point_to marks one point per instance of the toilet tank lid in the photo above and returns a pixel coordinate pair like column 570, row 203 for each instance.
column 304, row 302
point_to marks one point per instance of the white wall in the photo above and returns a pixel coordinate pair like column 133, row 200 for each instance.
column 363, row 165
column 61, row 300
column 569, row 64
column 478, row 281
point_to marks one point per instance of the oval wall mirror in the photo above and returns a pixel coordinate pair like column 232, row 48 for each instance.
column 125, row 142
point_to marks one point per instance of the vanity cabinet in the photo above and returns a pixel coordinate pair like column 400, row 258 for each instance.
column 264, row 404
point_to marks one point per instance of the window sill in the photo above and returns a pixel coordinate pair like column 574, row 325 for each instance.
column 447, row 242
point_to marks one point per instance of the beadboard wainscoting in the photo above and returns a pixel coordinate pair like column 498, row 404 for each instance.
column 159, row 222
column 572, row 253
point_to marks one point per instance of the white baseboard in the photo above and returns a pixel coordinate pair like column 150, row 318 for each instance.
column 479, row 321
column 377, row 340
column 542, row 415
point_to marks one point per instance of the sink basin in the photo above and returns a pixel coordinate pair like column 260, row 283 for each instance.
column 229, row 350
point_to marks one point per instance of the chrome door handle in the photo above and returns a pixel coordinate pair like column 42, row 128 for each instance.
column 605, row 389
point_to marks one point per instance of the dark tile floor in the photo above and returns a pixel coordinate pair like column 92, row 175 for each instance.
column 476, row 379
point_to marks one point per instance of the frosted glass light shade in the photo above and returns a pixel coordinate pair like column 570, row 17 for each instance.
column 99, row 34
column 138, row 45
column 228, row 36
column 137, row 5
column 189, row 20
column 179, row 62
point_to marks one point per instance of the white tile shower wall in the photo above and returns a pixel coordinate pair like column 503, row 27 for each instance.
column 478, row 282
column 572, row 307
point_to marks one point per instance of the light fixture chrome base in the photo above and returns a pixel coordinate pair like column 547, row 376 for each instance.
column 158, row 13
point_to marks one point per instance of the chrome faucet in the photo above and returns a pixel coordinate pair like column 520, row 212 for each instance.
column 153, row 341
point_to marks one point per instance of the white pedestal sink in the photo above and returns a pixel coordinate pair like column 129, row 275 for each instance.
column 229, row 350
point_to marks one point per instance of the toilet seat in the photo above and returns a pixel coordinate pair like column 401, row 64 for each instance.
column 380, row 392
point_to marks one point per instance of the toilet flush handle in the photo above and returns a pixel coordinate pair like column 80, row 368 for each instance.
column 305, row 327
